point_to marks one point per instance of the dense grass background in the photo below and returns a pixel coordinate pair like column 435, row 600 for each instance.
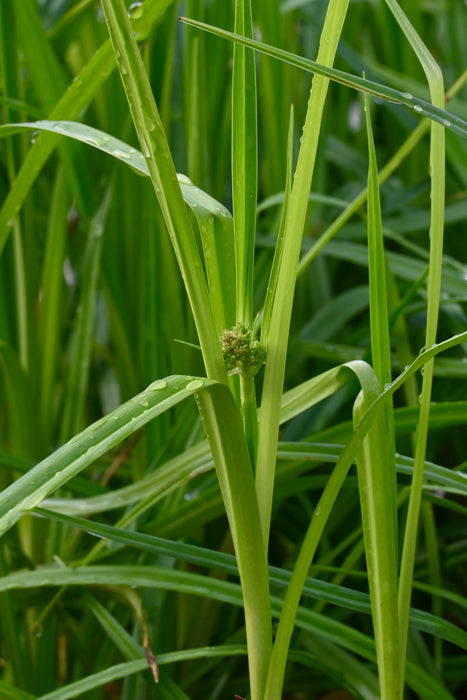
column 93, row 309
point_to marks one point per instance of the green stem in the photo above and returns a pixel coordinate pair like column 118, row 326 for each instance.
column 156, row 150
column 225, row 434
column 249, row 413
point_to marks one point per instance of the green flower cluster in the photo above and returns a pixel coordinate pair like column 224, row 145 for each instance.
column 242, row 352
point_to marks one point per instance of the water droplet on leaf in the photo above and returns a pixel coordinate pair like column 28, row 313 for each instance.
column 158, row 385
column 120, row 154
column 135, row 10
column 194, row 384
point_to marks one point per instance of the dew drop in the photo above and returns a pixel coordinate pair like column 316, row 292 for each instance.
column 158, row 385
column 194, row 384
column 135, row 10
column 144, row 403
column 150, row 125
column 408, row 95
column 447, row 123
column 120, row 154
column 91, row 140
column 417, row 108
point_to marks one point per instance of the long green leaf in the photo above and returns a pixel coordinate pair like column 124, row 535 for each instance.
column 54, row 471
column 279, row 578
column 421, row 107
column 384, row 174
column 437, row 194
column 123, row 670
column 159, row 577
column 52, row 301
column 375, row 464
column 276, row 342
column 156, row 151
column 376, row 459
column 244, row 162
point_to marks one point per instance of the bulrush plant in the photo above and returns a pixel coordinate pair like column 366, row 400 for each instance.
column 269, row 537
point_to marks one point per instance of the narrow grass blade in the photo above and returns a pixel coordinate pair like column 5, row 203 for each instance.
column 244, row 162
column 80, row 355
column 276, row 342
column 215, row 225
column 158, row 157
column 376, row 459
column 375, row 464
column 384, row 174
column 167, row 687
column 196, row 144
column 52, row 283
column 195, row 584
column 379, row 318
column 28, row 491
column 276, row 263
column 279, row 578
column 273, row 95
column 421, row 107
column 437, row 174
